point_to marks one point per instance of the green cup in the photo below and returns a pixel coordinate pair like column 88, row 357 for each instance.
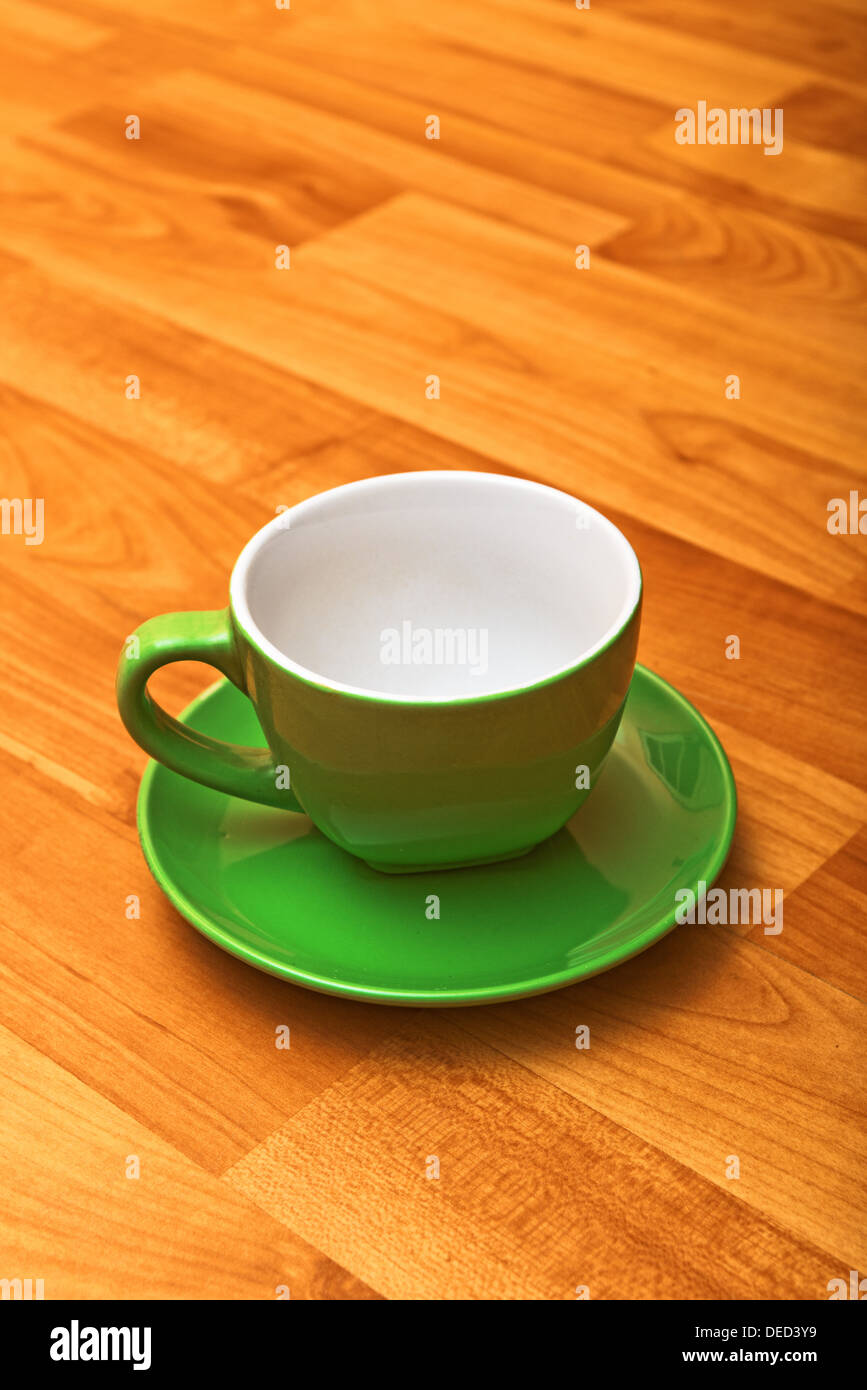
column 439, row 663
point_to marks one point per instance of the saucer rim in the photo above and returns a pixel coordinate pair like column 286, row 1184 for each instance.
column 447, row 997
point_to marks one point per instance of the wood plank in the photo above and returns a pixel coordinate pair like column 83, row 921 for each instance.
column 206, row 408
column 825, row 919
column 621, row 52
column 372, row 286
column 804, row 176
column 72, row 1217
column 293, row 189
column 152, row 1017
column 709, row 1046
column 489, row 1226
column 814, row 284
column 784, row 29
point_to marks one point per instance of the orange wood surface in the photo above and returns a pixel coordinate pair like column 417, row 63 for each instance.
column 305, row 1169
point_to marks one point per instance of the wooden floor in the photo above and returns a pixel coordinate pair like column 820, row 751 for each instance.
column 156, row 258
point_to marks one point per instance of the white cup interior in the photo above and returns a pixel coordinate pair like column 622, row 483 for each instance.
column 435, row 586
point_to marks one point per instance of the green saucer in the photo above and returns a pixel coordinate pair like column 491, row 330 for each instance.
column 267, row 886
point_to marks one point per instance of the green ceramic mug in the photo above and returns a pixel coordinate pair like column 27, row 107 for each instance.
column 438, row 661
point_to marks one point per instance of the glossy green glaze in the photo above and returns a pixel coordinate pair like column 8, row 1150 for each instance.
column 405, row 786
column 410, row 786
column 208, row 637
column 272, row 889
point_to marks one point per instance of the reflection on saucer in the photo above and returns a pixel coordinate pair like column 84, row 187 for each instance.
column 681, row 761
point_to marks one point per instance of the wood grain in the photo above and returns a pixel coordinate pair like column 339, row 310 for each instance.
column 559, row 1168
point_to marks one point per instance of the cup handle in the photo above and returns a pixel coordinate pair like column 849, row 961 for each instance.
column 250, row 773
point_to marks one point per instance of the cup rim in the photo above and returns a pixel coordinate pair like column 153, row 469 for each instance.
column 243, row 618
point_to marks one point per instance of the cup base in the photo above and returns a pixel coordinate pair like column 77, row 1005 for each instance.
column 457, row 864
